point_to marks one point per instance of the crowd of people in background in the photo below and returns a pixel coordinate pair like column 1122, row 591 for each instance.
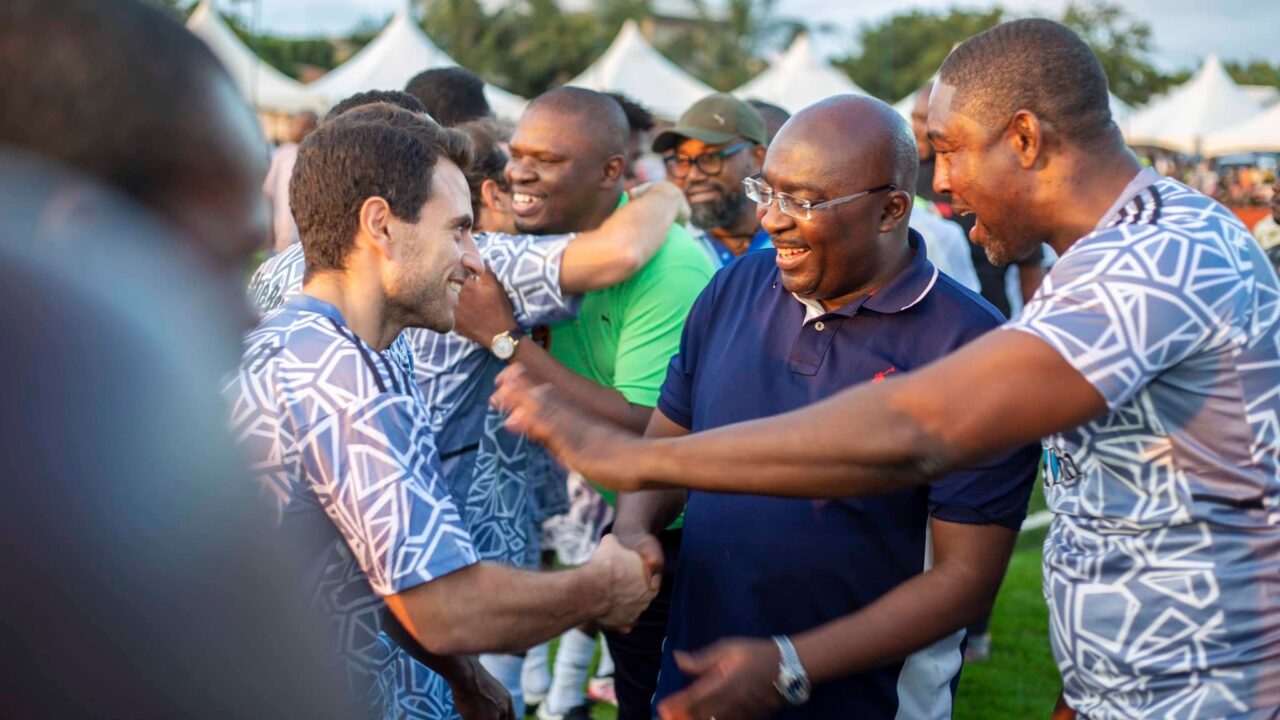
column 791, row 382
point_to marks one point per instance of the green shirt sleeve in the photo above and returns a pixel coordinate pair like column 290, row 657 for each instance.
column 654, row 312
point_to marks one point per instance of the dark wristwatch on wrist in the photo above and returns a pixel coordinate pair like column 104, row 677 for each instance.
column 503, row 345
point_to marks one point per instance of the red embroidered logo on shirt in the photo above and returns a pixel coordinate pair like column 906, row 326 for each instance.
column 880, row 375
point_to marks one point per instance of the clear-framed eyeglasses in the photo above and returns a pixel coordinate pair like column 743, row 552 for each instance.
column 710, row 163
column 793, row 206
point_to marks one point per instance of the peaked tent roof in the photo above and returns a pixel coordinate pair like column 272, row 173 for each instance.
column 798, row 79
column 1260, row 133
column 1264, row 95
column 633, row 67
column 399, row 52
column 1209, row 102
column 264, row 86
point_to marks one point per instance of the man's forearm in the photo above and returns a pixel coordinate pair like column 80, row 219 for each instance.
column 602, row 402
column 623, row 244
column 648, row 511
column 913, row 615
column 493, row 608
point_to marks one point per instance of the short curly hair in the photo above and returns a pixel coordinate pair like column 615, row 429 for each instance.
column 373, row 151
column 368, row 97
column 1037, row 65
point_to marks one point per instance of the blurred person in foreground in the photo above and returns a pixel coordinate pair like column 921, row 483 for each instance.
column 136, row 584
column 1148, row 362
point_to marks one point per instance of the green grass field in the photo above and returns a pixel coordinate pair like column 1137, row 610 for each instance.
column 1020, row 680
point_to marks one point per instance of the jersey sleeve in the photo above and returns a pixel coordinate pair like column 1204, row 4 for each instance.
column 653, row 320
column 374, row 469
column 528, row 266
column 1131, row 304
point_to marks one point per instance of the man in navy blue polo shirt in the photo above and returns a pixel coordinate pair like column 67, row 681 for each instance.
column 848, row 297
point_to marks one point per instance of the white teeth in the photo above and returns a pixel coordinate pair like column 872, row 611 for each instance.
column 791, row 252
column 523, row 199
column 455, row 286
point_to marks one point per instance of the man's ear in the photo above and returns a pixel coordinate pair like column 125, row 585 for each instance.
column 1025, row 135
column 494, row 197
column 613, row 168
column 897, row 207
column 375, row 225
column 757, row 156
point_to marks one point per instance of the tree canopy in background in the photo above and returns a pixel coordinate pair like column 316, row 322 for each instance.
column 528, row 46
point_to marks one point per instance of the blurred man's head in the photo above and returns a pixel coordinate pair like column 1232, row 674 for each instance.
column 301, row 125
column 639, row 122
column 857, row 153
column 453, row 95
column 567, row 158
column 774, row 118
column 1008, row 103
column 368, row 97
column 121, row 92
column 487, row 178
column 401, row 214
column 920, row 122
column 717, row 143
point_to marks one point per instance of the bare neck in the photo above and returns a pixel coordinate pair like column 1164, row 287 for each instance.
column 361, row 302
column 1089, row 185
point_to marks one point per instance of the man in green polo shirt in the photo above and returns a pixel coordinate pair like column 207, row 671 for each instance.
column 566, row 175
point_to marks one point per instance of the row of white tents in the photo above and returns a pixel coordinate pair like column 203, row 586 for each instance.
column 1209, row 115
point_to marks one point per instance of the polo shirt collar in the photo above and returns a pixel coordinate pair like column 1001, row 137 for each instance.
column 904, row 291
column 305, row 303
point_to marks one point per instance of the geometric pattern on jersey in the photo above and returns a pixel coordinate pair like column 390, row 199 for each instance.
column 1162, row 566
column 340, row 437
column 485, row 467
column 279, row 279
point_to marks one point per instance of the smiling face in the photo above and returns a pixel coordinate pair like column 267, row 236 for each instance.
column 717, row 200
column 434, row 256
column 558, row 177
column 835, row 255
column 979, row 169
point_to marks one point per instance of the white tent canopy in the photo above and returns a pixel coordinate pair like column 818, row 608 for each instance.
column 391, row 59
column 1264, row 95
column 1261, row 133
column 265, row 87
column 631, row 66
column 1207, row 103
column 798, row 79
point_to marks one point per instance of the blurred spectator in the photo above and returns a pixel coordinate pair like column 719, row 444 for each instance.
column 284, row 232
column 452, row 95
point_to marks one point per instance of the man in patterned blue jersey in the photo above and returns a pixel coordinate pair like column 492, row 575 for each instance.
column 342, row 436
column 1149, row 361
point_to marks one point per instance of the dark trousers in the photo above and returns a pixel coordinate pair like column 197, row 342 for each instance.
column 637, row 655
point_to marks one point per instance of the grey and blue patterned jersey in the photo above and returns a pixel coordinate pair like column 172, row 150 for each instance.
column 341, row 438
column 1162, row 566
column 486, row 469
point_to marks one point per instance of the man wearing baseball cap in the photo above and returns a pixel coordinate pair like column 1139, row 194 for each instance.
column 718, row 143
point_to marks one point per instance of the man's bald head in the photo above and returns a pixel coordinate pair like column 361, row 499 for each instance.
column 855, row 140
column 595, row 118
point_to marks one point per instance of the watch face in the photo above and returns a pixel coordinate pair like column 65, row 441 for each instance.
column 503, row 347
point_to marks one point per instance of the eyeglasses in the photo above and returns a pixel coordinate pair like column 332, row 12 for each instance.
column 795, row 207
column 710, row 163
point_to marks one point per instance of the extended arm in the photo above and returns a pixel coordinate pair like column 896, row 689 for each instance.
column 624, row 243
column 493, row 608
column 597, row 400
column 1004, row 390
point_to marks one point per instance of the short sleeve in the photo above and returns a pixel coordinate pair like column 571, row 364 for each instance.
column 528, row 266
column 995, row 493
column 676, row 397
column 653, row 320
column 374, row 470
column 1122, row 310
column 278, row 279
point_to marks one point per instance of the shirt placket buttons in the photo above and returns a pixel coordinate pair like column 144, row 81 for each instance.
column 819, row 326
